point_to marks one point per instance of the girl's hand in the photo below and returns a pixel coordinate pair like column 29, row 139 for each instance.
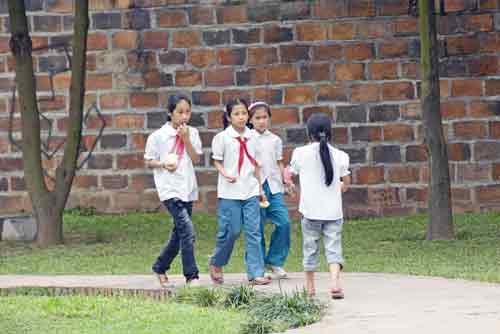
column 183, row 132
column 290, row 188
column 230, row 179
column 170, row 167
column 343, row 187
column 263, row 201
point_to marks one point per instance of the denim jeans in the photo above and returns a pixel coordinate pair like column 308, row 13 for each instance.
column 233, row 215
column 182, row 238
column 277, row 212
column 312, row 230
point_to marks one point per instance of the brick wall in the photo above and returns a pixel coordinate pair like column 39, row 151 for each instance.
column 355, row 60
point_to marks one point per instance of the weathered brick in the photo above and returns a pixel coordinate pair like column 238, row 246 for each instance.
column 215, row 119
column 416, row 194
column 398, row 132
column 351, row 71
column 47, row 23
column 173, row 57
column 282, row 74
column 386, row 154
column 188, row 78
column 172, row 19
column 100, row 161
column 462, row 45
column 473, row 172
column 483, row 66
column 490, row 193
column 486, row 150
column 470, row 130
column 107, row 20
column 496, row 171
column 85, row 181
column 284, row 116
column 201, row 15
column 366, row 133
column 492, row 87
column 332, row 93
column 129, row 121
column 393, row 8
column 138, row 141
column 299, row 95
column 384, row 113
column 495, row 129
column 459, row 152
column 358, row 51
column 315, row 72
column 294, row 53
column 230, row 94
column 467, row 87
column 452, row 68
column 262, row 55
column 394, row 48
column 327, row 52
column 4, row 184
column 201, row 57
column 113, row 141
column 365, row 92
column 452, row 109
column 342, row 31
column 232, row 14
column 405, row 27
column 328, row 9
column 58, row 102
column 219, row 77
column 216, row 37
column 156, row 79
column 298, row 10
column 206, row 98
column 125, row 40
column 137, row 19
column 155, row 39
column 385, row 196
column 97, row 41
column 114, row 181
column 259, row 13
column 297, row 135
column 271, row 96
column 155, row 120
column 416, row 153
column 357, row 155
column 398, row 91
column 459, row 5
column 383, row 70
column 186, row 39
column 340, row 135
column 17, row 183
column 484, row 108
column 113, row 101
column 369, row 175
column 143, row 100
column 252, row 76
column 246, row 36
column 277, row 34
column 231, row 56
column 311, row 31
column 307, row 112
column 130, row 161
column 99, row 81
column 351, row 114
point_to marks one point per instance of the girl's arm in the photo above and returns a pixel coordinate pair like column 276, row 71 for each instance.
column 220, row 168
column 184, row 133
column 346, row 181
column 154, row 164
column 257, row 174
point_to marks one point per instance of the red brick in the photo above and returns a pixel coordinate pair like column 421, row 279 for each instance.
column 232, row 14
column 470, row 130
column 384, row 196
column 271, row 96
column 492, row 87
column 85, row 181
column 489, row 4
column 459, row 5
column 486, row 150
column 489, row 193
column 206, row 98
column 496, row 171
column 359, row 51
column 332, row 93
column 481, row 22
column 483, row 66
column 467, row 87
column 473, row 172
column 393, row 8
column 383, row 70
column 57, row 103
column 97, row 41
column 490, row 42
column 327, row 52
column 307, row 112
column 231, row 56
column 186, row 39
column 398, row 91
column 404, row 175
column 294, row 53
column 340, row 135
column 202, row 15
column 142, row 182
column 283, row 74
column 215, row 119
column 327, row 9
column 230, row 94
column 201, row 57
column 172, row 19
column 416, row 153
column 277, row 34
column 398, row 132
column 129, row 121
column 315, row 72
column 114, row 181
column 462, row 45
column 410, row 70
column 262, row 56
column 11, row 164
column 365, row 93
column 62, row 81
column 417, row 194
column 366, row 133
column 285, row 116
column 394, row 49
column 188, row 78
column 369, row 175
column 299, row 95
column 405, row 27
column 452, row 109
column 252, row 76
column 60, row 6
column 125, row 40
column 342, row 31
column 99, row 81
column 138, row 141
column 458, row 152
column 369, row 29
column 219, row 77
column 347, row 72
column 495, row 129
column 130, row 161
column 311, row 31
column 361, row 8
column 143, row 100
column 483, row 109
column 155, row 39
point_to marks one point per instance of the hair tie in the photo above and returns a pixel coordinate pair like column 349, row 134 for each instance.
column 322, row 135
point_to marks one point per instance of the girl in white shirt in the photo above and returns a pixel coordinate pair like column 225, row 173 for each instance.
column 323, row 173
column 238, row 189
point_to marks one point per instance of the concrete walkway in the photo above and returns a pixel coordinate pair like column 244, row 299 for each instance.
column 374, row 303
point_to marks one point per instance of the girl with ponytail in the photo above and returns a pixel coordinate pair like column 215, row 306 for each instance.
column 324, row 175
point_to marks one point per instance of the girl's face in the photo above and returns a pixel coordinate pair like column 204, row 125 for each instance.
column 181, row 114
column 260, row 119
column 239, row 116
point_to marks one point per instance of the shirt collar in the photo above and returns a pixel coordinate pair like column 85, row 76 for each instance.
column 233, row 133
column 168, row 129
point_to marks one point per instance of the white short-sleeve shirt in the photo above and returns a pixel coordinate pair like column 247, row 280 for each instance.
column 270, row 151
column 181, row 183
column 226, row 148
column 317, row 200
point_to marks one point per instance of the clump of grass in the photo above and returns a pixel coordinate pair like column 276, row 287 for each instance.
column 199, row 296
column 239, row 297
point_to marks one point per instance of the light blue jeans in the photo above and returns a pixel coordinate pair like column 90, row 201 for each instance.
column 312, row 230
column 235, row 215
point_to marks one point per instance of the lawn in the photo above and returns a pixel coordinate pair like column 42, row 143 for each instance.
column 128, row 244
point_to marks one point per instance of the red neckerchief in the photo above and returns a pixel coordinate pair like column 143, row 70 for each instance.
column 243, row 152
column 178, row 147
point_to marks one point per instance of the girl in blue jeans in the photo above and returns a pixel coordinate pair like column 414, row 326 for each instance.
column 238, row 190
column 271, row 160
column 324, row 174
column 171, row 152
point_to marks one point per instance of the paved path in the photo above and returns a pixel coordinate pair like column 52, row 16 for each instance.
column 375, row 303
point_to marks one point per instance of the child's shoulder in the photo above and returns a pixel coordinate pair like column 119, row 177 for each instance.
column 339, row 152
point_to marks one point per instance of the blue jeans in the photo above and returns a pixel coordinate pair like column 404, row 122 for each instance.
column 277, row 212
column 182, row 238
column 233, row 216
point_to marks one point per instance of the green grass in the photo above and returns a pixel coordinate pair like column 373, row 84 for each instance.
column 28, row 314
column 128, row 244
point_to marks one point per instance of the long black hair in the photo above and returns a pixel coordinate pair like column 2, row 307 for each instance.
column 173, row 101
column 229, row 108
column 319, row 128
column 253, row 107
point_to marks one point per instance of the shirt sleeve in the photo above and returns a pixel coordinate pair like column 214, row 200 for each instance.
column 344, row 168
column 295, row 163
column 152, row 151
column 278, row 149
column 218, row 147
column 196, row 141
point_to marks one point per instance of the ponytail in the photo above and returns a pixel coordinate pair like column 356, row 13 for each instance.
column 324, row 153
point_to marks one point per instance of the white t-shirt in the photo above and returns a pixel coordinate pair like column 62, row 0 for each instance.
column 226, row 148
column 317, row 200
column 181, row 183
column 270, row 152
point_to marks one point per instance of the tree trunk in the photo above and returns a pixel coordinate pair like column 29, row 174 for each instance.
column 48, row 205
column 440, row 224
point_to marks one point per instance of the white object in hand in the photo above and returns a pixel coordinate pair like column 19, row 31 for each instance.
column 171, row 160
column 264, row 204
